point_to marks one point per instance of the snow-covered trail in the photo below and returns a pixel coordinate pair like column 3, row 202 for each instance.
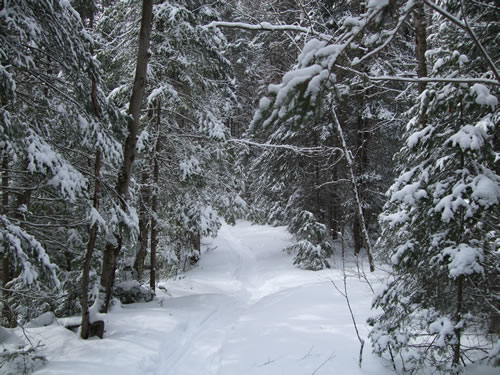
column 244, row 310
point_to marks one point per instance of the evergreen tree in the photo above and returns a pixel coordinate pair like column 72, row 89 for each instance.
column 440, row 224
column 48, row 130
column 186, row 179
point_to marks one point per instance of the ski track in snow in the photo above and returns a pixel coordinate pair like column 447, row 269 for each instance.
column 244, row 310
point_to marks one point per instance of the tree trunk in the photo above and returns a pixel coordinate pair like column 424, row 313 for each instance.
column 355, row 189
column 6, row 268
column 458, row 318
column 334, row 209
column 154, row 242
column 421, row 44
column 196, row 243
column 90, row 249
column 85, row 329
column 361, row 165
column 154, row 201
column 357, row 236
column 112, row 249
column 144, row 224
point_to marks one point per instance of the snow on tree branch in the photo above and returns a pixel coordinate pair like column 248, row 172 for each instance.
column 299, row 150
column 266, row 26
column 469, row 80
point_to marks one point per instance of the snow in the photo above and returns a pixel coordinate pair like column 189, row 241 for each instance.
column 189, row 167
column 41, row 157
column 464, row 260
column 309, row 50
column 396, row 218
column 468, row 138
column 292, row 79
column 485, row 191
column 244, row 310
column 409, row 193
column 425, row 133
column 377, row 4
column 444, row 328
column 483, row 96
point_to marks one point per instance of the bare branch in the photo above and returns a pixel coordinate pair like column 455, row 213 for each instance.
column 346, row 296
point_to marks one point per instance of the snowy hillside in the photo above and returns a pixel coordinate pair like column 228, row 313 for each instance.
column 244, row 310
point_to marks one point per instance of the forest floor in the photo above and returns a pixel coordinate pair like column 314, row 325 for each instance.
column 245, row 309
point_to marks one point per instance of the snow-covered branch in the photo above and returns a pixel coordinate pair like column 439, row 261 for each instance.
column 266, row 26
column 468, row 80
column 299, row 150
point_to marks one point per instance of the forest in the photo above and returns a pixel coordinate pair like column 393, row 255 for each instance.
column 131, row 132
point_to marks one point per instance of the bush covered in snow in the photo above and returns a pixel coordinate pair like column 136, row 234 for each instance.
column 131, row 291
column 313, row 246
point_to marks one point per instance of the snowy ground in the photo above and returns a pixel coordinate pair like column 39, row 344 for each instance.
column 244, row 310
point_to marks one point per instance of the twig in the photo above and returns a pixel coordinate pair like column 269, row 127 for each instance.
column 18, row 324
column 346, row 296
column 308, row 354
column 269, row 361
column 391, row 33
column 324, row 363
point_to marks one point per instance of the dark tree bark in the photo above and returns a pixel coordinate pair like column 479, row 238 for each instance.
column 421, row 44
column 90, row 249
column 84, row 333
column 112, row 249
column 154, row 240
column 154, row 201
column 196, row 243
column 458, row 318
column 361, row 165
column 6, row 266
column 144, row 227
